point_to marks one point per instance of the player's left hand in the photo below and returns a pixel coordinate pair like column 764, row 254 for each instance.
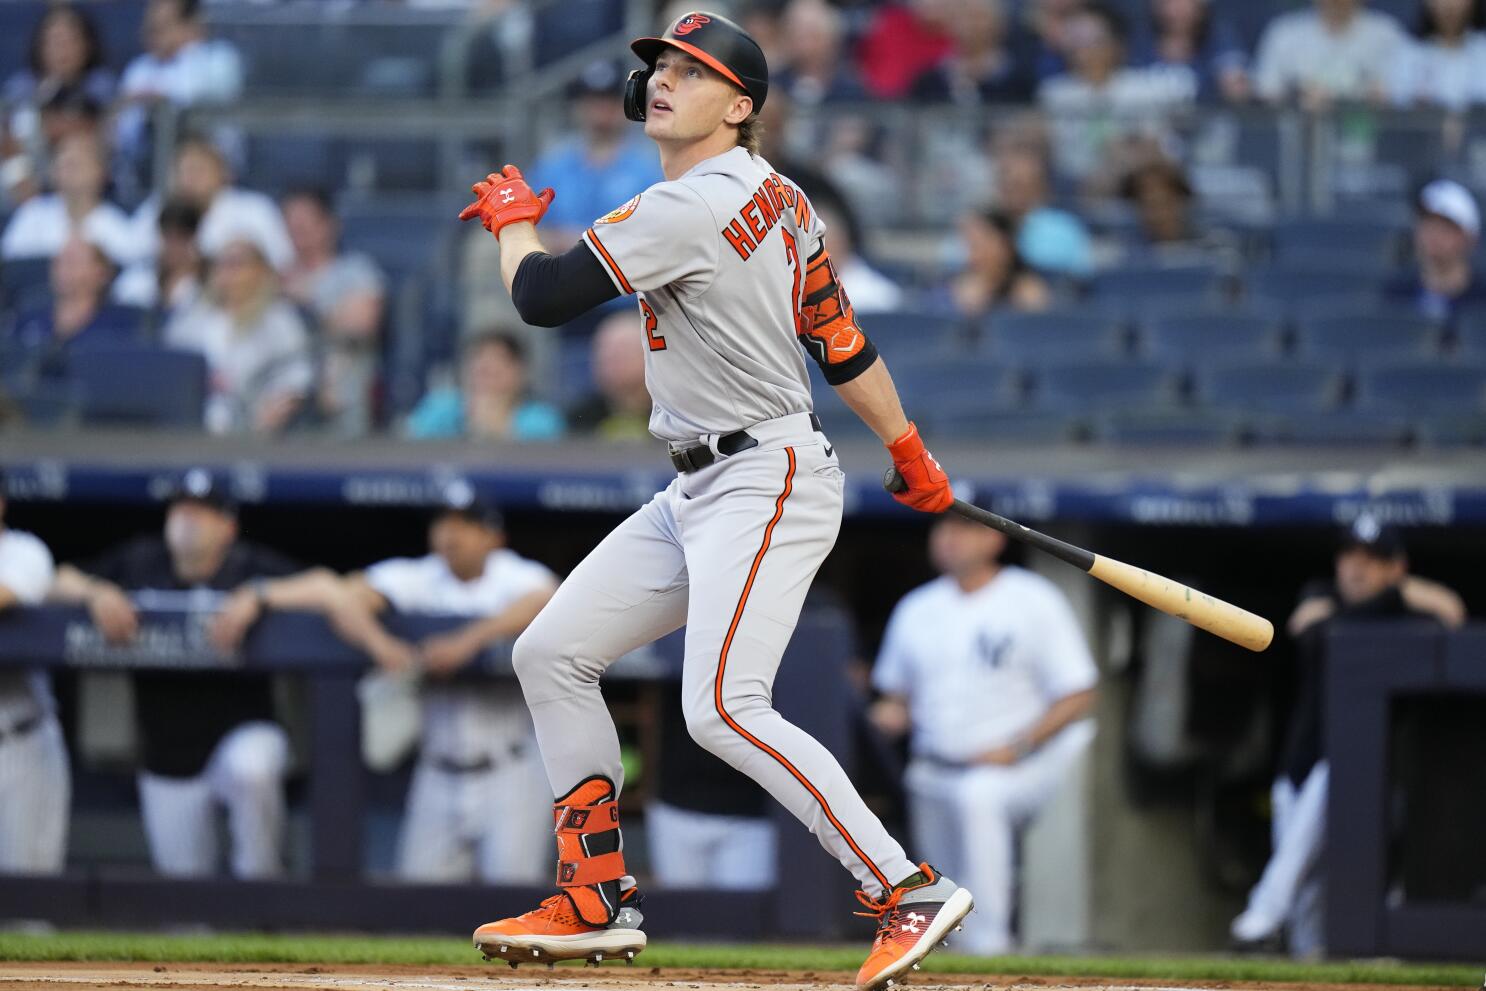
column 505, row 198
column 234, row 619
column 1000, row 757
column 445, row 653
column 928, row 488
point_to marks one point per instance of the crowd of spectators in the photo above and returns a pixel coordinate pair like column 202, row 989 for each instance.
column 1076, row 157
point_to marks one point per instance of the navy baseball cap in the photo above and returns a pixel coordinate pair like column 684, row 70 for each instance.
column 1370, row 534
column 599, row 78
column 206, row 487
column 461, row 498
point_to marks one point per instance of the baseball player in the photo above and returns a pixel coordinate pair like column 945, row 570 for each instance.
column 727, row 262
column 35, row 785
column 208, row 738
column 994, row 705
column 478, row 750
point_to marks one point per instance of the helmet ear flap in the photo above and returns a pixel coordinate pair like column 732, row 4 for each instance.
column 634, row 93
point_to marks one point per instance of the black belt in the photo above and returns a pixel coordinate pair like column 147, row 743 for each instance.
column 696, row 458
column 25, row 727
column 449, row 765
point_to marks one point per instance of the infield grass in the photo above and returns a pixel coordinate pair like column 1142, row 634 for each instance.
column 442, row 952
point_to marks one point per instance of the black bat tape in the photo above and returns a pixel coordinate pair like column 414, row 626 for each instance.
column 1063, row 551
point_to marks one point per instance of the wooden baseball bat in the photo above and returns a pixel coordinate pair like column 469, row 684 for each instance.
column 1198, row 608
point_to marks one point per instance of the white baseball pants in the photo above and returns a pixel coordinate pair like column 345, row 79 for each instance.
column 35, row 792
column 691, row 849
column 965, row 820
column 730, row 552
column 1289, row 892
column 245, row 776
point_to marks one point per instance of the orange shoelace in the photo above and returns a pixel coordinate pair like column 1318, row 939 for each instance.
column 552, row 908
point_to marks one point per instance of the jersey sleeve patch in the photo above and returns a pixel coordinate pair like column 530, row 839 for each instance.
column 622, row 212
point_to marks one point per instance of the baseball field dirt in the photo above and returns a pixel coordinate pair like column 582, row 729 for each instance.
column 65, row 976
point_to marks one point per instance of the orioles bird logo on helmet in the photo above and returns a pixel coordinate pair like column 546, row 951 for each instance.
column 690, row 23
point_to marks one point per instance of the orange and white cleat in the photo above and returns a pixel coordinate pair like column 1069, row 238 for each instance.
column 595, row 915
column 913, row 919
column 553, row 931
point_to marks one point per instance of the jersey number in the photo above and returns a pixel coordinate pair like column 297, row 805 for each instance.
column 656, row 343
column 792, row 253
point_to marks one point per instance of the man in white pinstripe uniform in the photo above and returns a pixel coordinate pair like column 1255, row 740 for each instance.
column 35, row 786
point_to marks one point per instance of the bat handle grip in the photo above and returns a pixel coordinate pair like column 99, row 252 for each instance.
column 894, row 482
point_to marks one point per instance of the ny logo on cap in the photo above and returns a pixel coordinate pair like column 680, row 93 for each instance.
column 690, row 23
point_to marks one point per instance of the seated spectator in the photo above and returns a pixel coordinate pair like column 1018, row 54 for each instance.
column 1044, row 41
column 478, row 750
column 68, row 112
column 76, row 208
column 1170, row 233
column 606, row 162
column 987, row 672
column 1192, row 34
column 995, row 275
column 201, row 177
column 902, row 42
column 980, row 68
column 620, row 407
column 64, row 55
column 78, row 313
column 1101, row 99
column 256, row 346
column 814, row 70
column 1446, row 233
column 1371, row 583
column 181, row 66
column 209, row 741
column 174, row 281
column 491, row 402
column 1336, row 51
column 347, row 295
column 1052, row 241
column 1445, row 66
column 868, row 289
column 34, row 776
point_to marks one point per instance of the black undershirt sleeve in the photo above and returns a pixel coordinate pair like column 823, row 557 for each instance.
column 550, row 290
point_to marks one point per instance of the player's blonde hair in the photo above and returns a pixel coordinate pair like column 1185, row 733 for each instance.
column 751, row 133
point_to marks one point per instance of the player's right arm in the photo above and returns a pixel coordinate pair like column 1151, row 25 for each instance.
column 107, row 603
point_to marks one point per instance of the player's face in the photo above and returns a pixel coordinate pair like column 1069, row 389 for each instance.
column 195, row 529
column 687, row 101
column 958, row 547
column 463, row 544
column 1361, row 575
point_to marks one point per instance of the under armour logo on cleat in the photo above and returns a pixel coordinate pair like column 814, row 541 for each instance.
column 506, row 196
column 911, row 926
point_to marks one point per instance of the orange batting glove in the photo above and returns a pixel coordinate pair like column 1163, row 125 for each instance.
column 928, row 486
column 505, row 198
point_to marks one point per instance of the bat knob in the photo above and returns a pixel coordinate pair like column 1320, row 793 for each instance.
column 893, row 482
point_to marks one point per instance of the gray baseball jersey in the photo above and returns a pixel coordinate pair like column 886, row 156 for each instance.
column 719, row 261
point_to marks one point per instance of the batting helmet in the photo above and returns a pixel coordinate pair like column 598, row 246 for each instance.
column 711, row 39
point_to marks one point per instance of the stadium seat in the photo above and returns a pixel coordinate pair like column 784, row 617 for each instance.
column 402, row 235
column 1181, row 427
column 140, row 386
column 1423, row 388
column 564, row 28
column 905, row 334
column 280, row 162
column 1134, row 284
column 1360, row 339
column 1103, row 386
column 1470, row 336
column 1268, row 387
column 1445, row 430
column 1289, row 285
column 1317, row 240
column 396, row 164
column 1030, row 339
column 1339, row 428
column 971, row 420
column 1194, row 338
column 929, row 379
column 22, row 280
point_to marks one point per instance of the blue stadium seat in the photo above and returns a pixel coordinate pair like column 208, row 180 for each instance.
column 1361, row 339
column 22, row 280
column 1268, row 387
column 1196, row 338
column 1299, row 239
column 1103, row 386
column 929, row 379
column 903, row 334
column 403, row 236
column 140, row 386
column 277, row 163
column 49, row 403
column 1137, row 283
column 563, row 28
column 1446, row 430
column 1376, row 265
column 1289, row 285
column 1029, row 339
column 1424, row 388
column 1470, row 336
column 972, row 420
column 398, row 164
column 1179, row 427
column 1340, row 428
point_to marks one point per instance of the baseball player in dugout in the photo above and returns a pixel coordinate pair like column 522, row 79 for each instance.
column 996, row 707
column 209, row 739
column 35, row 783
column 732, row 279
column 477, row 751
